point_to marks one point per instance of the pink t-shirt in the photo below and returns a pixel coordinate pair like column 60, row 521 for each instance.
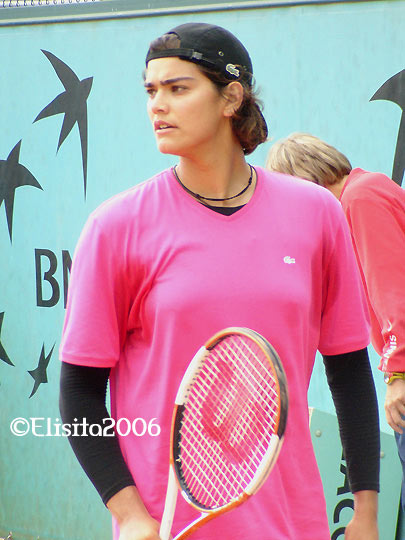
column 156, row 273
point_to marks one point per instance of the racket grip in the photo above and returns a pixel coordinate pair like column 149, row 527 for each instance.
column 170, row 506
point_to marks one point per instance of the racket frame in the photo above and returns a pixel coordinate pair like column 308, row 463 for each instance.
column 176, row 482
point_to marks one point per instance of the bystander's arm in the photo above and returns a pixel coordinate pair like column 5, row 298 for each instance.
column 379, row 243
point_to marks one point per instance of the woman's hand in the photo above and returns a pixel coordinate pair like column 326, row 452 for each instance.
column 139, row 529
column 364, row 523
column 361, row 529
column 134, row 520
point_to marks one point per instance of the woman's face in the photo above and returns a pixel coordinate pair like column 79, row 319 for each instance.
column 187, row 112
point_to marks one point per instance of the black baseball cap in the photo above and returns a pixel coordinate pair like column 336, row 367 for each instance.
column 211, row 46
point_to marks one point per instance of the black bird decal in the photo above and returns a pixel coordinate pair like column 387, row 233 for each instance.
column 39, row 373
column 394, row 90
column 3, row 354
column 12, row 176
column 72, row 103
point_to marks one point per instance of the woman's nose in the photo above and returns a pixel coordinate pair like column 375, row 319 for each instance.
column 159, row 103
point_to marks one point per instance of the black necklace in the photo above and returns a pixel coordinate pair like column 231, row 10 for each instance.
column 197, row 196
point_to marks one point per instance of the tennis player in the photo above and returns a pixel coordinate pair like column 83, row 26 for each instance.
column 211, row 243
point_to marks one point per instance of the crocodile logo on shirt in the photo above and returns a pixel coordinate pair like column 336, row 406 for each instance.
column 289, row 260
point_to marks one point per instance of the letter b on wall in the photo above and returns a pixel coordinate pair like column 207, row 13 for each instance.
column 47, row 285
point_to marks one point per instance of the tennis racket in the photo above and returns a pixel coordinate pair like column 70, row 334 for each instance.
column 228, row 423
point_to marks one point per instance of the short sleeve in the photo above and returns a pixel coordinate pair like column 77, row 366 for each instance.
column 96, row 317
column 345, row 325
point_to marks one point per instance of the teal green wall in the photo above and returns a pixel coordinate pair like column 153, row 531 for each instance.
column 317, row 67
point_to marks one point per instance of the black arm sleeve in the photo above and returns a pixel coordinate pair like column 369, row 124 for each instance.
column 83, row 396
column 352, row 385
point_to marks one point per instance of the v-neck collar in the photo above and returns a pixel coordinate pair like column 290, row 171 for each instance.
column 208, row 211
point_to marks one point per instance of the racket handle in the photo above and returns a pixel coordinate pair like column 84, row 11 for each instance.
column 170, row 506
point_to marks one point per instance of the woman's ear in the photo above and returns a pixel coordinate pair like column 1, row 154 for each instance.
column 233, row 93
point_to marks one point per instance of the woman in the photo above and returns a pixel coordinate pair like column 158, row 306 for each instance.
column 212, row 243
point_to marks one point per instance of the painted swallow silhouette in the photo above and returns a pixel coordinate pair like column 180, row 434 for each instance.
column 394, row 90
column 12, row 176
column 39, row 373
column 3, row 354
column 72, row 103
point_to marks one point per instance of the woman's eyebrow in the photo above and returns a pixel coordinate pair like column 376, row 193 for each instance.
column 166, row 82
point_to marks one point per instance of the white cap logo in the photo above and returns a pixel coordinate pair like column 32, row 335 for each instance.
column 232, row 69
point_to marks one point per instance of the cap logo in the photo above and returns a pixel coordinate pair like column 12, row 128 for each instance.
column 232, row 69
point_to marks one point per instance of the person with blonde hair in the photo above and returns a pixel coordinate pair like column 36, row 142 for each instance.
column 375, row 210
column 306, row 156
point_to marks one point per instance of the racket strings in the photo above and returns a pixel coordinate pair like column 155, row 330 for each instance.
column 230, row 416
column 248, row 385
column 265, row 380
column 249, row 388
column 218, row 471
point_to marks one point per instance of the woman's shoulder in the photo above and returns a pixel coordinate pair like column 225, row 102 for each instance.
column 295, row 188
column 128, row 203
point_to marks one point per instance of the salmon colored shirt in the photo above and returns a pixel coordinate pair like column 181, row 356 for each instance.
column 375, row 209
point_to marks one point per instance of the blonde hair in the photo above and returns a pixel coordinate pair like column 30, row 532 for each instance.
column 308, row 157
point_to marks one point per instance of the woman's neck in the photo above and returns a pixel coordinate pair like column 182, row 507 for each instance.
column 218, row 178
